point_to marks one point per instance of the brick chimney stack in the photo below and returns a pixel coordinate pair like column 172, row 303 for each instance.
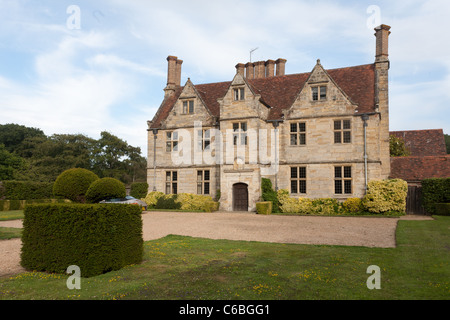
column 382, row 35
column 240, row 69
column 173, row 74
column 270, row 68
column 260, row 69
column 281, row 65
column 249, row 70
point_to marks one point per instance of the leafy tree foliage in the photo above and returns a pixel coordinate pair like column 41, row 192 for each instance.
column 38, row 157
column 397, row 147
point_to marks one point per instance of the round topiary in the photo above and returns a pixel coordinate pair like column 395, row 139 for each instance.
column 105, row 188
column 73, row 183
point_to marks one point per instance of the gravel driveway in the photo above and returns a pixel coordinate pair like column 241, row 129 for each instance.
column 346, row 231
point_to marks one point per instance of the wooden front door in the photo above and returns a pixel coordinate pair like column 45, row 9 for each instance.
column 240, row 197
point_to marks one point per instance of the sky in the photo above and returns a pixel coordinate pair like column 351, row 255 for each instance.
column 100, row 65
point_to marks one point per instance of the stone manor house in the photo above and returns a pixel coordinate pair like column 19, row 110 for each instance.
column 320, row 134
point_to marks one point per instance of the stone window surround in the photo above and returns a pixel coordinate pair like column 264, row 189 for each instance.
column 300, row 180
column 171, row 182
column 204, row 182
column 344, row 175
column 188, row 106
column 343, row 133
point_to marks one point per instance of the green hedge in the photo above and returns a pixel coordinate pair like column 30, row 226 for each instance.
column 73, row 184
column 25, row 190
column 435, row 191
column 8, row 205
column 98, row 238
column 264, row 207
column 268, row 194
column 105, row 188
column 139, row 190
column 442, row 209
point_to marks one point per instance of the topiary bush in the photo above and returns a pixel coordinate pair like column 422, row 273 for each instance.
column 73, row 184
column 98, row 238
column 264, row 207
column 139, row 190
column 385, row 196
column 105, row 188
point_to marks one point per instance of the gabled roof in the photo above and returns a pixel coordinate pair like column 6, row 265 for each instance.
column 280, row 92
column 423, row 142
column 414, row 169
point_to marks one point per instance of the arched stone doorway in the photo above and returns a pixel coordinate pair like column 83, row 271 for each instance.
column 240, row 197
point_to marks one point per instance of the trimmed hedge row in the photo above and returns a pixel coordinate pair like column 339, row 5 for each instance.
column 435, row 191
column 7, row 205
column 98, row 238
column 20, row 190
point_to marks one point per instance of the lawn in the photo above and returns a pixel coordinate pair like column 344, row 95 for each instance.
column 186, row 268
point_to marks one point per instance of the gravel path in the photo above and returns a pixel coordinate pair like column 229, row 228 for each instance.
column 346, row 231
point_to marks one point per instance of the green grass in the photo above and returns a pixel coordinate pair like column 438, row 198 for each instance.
column 177, row 267
column 11, row 215
column 10, row 233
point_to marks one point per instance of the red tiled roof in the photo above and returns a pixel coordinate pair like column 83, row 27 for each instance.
column 280, row 92
column 423, row 142
column 419, row 168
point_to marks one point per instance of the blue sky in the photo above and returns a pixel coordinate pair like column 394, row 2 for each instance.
column 89, row 66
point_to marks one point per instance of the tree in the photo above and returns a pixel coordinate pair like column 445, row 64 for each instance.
column 447, row 142
column 397, row 147
column 12, row 135
column 9, row 163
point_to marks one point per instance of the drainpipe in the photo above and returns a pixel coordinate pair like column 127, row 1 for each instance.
column 275, row 124
column 155, row 132
column 365, row 117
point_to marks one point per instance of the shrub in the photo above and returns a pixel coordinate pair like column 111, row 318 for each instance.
column 168, row 201
column 73, row 183
column 442, row 209
column 196, row 202
column 386, row 195
column 182, row 201
column 139, row 189
column 293, row 205
column 268, row 194
column 264, row 207
column 152, row 198
column 26, row 190
column 8, row 205
column 105, row 188
column 98, row 238
column 352, row 205
column 435, row 191
column 325, row 206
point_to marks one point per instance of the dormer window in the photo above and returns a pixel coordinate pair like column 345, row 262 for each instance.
column 239, row 94
column 188, row 106
column 319, row 93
